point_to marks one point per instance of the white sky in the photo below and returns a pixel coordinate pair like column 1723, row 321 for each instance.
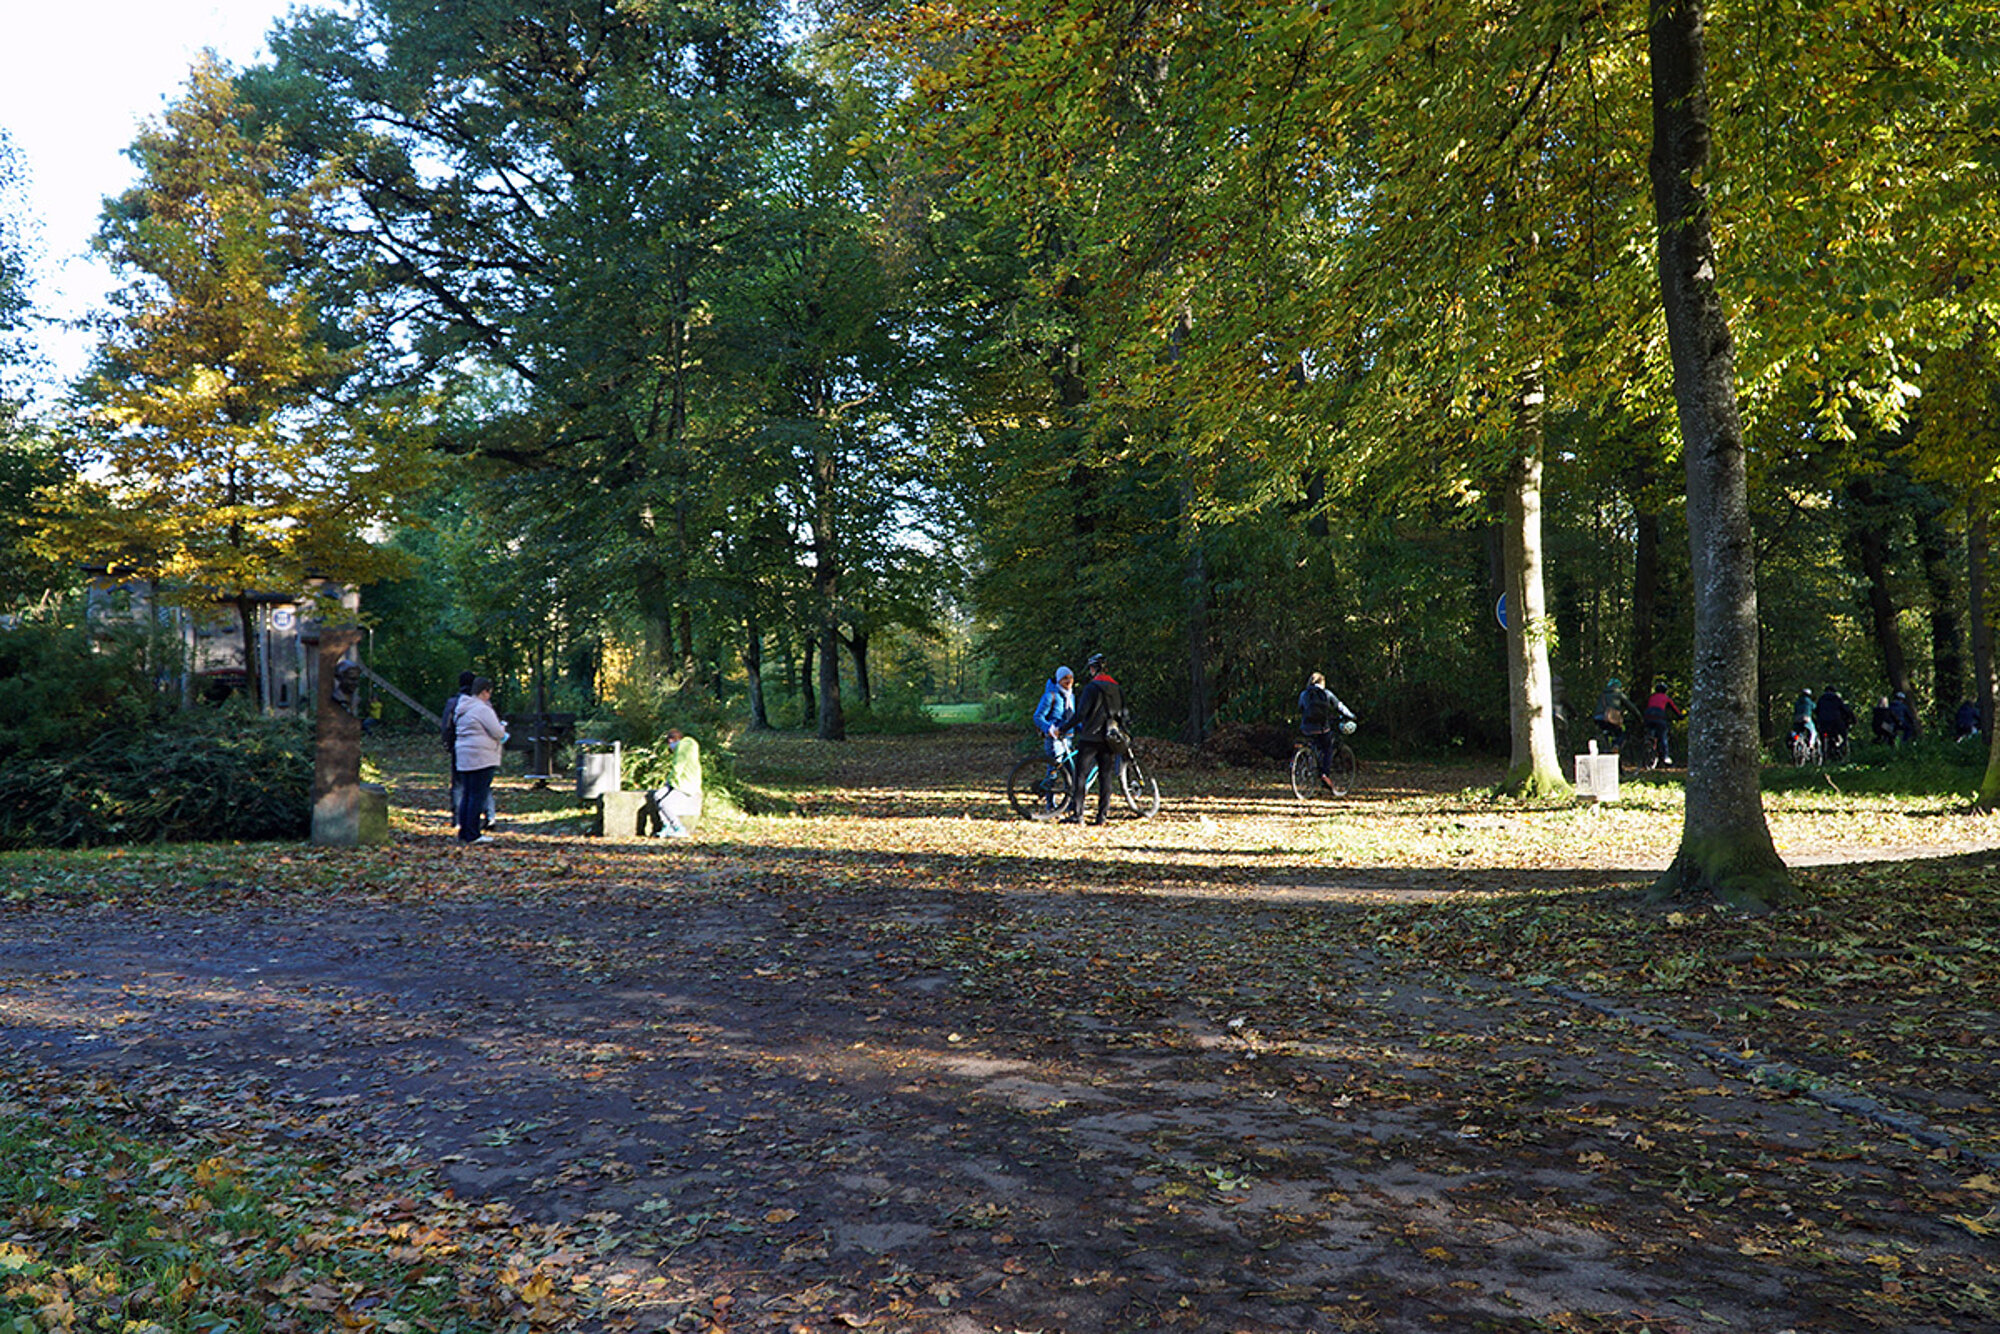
column 79, row 77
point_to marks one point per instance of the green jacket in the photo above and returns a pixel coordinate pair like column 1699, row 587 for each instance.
column 684, row 770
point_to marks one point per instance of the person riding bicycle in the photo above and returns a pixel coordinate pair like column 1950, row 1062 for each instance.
column 1802, row 718
column 1100, row 713
column 1904, row 717
column 1660, row 712
column 1614, row 710
column 1320, row 711
column 1835, row 718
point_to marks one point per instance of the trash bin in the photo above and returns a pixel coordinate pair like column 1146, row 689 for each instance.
column 597, row 769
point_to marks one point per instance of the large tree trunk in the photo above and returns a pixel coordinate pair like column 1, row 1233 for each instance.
column 1535, row 770
column 1726, row 848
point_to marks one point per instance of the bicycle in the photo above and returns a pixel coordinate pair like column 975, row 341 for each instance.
column 1805, row 748
column 1041, row 789
column 1305, row 771
column 1835, row 745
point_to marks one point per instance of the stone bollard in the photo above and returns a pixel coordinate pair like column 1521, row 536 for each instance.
column 622, row 814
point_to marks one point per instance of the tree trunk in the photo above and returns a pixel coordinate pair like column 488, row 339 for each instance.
column 1645, row 598
column 753, row 671
column 832, row 719
column 1978, row 583
column 1947, row 658
column 857, row 650
column 1870, row 541
column 1726, row 848
column 253, row 661
column 808, row 693
column 1535, row 770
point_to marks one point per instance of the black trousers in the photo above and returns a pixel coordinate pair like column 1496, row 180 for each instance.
column 1096, row 754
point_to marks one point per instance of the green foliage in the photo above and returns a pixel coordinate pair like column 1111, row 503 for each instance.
column 202, row 774
column 60, row 689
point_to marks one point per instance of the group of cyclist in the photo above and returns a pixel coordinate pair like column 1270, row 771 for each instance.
column 1822, row 722
column 1616, row 712
column 1092, row 723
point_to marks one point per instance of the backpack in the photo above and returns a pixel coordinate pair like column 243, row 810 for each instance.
column 1316, row 706
column 448, row 726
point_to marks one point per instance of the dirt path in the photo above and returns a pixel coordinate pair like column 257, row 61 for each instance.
column 777, row 1091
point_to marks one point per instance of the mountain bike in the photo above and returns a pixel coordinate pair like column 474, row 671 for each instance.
column 1041, row 789
column 1305, row 771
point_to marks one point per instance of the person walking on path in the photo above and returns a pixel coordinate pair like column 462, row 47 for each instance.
column 476, row 756
column 1100, row 719
column 680, row 800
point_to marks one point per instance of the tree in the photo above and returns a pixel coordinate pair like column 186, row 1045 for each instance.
column 559, row 195
column 232, row 458
column 1726, row 846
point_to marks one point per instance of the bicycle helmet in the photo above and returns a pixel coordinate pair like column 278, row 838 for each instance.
column 1093, row 662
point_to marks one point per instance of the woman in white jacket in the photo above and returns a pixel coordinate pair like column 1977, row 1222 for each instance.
column 476, row 756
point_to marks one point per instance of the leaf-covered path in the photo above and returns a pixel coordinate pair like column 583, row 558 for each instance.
column 810, row 1080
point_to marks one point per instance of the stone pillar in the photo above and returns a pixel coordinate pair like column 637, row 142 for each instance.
column 337, row 815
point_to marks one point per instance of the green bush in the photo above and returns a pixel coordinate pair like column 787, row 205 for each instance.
column 59, row 688
column 201, row 775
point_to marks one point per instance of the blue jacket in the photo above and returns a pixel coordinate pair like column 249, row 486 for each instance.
column 1057, row 709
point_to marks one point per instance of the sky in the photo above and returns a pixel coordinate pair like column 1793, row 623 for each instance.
column 81, row 77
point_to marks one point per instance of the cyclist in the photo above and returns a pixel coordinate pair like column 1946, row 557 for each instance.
column 1660, row 712
column 1904, row 716
column 1614, row 710
column 1802, row 718
column 1053, row 717
column 1099, row 709
column 1320, row 710
column 1835, row 719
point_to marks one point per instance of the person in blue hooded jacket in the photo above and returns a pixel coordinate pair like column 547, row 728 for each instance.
column 1057, row 711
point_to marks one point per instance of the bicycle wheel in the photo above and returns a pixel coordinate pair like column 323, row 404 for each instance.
column 1305, row 774
column 1341, row 772
column 1836, row 749
column 1804, row 751
column 1142, row 794
column 1031, row 792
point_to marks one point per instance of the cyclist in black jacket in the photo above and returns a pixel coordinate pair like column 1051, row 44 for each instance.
column 1098, row 705
column 1320, row 711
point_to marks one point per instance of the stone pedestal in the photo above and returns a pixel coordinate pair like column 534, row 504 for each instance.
column 624, row 814
column 1597, row 777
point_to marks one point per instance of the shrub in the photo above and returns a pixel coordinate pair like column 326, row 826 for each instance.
column 59, row 689
column 205, row 774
